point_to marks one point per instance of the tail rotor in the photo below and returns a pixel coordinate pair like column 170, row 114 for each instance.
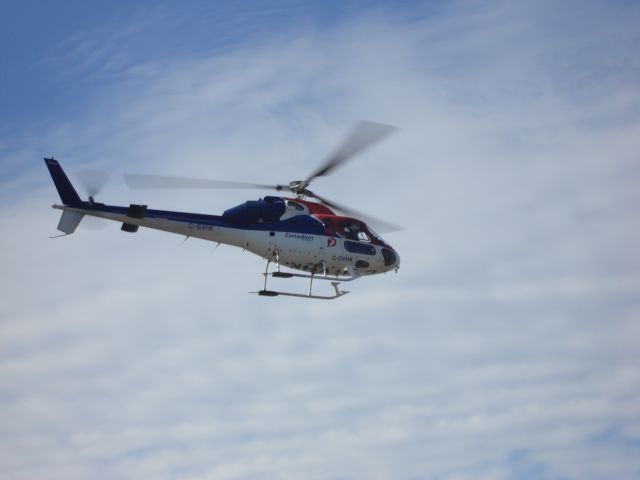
column 92, row 182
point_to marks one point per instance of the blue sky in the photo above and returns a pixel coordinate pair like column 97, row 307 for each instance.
column 35, row 34
column 504, row 348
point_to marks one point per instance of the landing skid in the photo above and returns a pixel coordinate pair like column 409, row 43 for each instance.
column 273, row 293
column 335, row 281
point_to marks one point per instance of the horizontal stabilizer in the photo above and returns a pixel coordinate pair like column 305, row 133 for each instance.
column 69, row 221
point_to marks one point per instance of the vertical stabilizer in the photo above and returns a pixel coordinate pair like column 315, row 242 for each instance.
column 67, row 193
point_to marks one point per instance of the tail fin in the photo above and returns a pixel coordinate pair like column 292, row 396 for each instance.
column 68, row 194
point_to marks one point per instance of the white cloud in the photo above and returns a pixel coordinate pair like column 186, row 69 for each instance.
column 504, row 348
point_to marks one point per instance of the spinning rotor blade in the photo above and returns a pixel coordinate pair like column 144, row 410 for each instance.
column 162, row 181
column 92, row 181
column 363, row 136
column 378, row 225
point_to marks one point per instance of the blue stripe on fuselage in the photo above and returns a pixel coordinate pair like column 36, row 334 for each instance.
column 299, row 224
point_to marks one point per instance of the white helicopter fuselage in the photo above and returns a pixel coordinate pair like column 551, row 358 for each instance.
column 308, row 252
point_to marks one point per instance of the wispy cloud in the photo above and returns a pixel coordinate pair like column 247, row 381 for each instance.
column 503, row 348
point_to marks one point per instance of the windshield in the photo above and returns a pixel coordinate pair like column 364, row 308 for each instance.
column 377, row 238
column 351, row 229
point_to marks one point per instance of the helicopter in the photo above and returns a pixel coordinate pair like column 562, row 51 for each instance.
column 317, row 239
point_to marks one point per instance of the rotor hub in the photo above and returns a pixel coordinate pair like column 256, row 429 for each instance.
column 299, row 187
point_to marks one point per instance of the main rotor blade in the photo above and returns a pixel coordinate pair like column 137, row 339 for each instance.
column 378, row 225
column 363, row 136
column 135, row 180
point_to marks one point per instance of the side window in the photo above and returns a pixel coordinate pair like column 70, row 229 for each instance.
column 355, row 247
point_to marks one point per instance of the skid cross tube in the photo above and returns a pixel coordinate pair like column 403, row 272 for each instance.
column 335, row 282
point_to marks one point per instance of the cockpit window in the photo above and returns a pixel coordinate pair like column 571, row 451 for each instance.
column 363, row 237
column 350, row 229
column 353, row 230
column 376, row 238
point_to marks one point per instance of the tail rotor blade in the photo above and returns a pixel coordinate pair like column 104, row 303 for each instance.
column 93, row 181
